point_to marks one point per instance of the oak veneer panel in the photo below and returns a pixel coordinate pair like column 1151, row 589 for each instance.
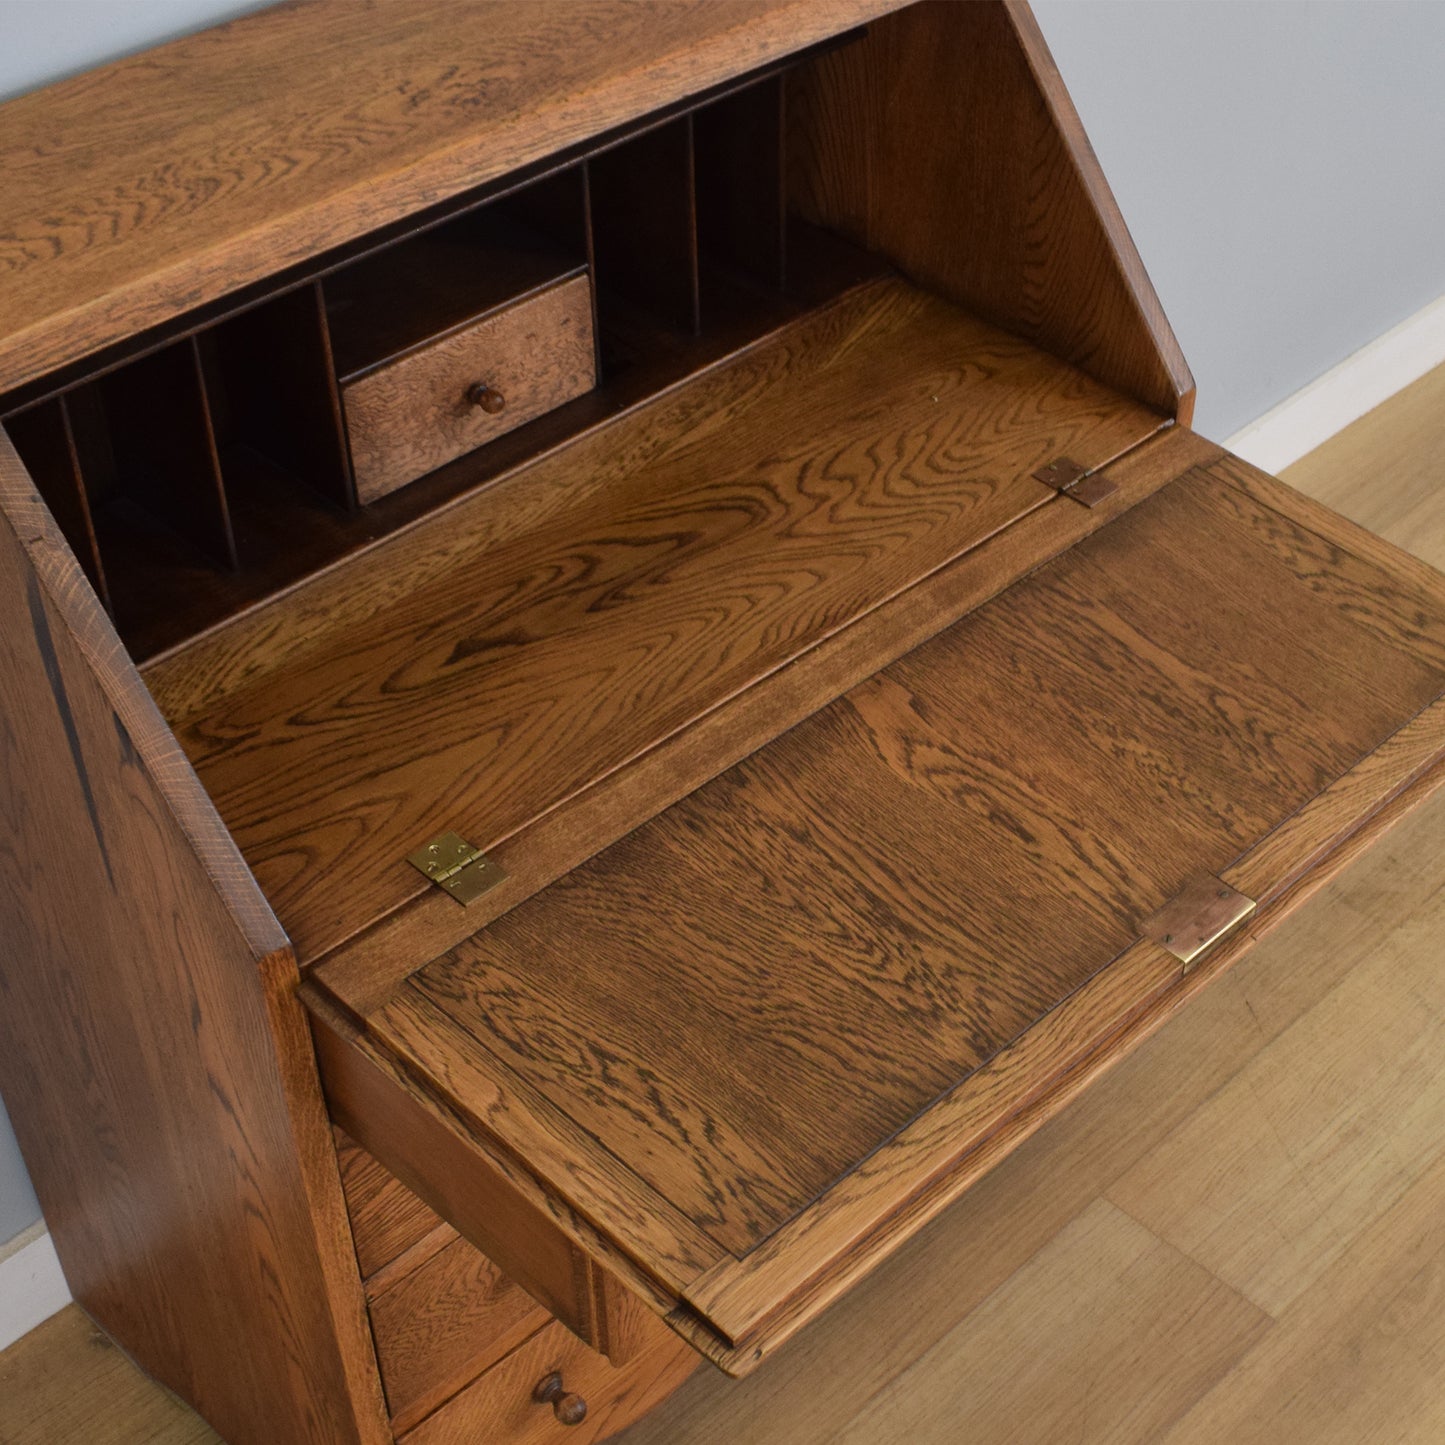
column 836, row 877
column 852, row 455
column 742, row 975
column 225, row 156
column 149, row 992
column 363, row 973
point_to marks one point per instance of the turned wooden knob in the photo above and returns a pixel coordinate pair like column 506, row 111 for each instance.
column 569, row 1409
column 487, row 397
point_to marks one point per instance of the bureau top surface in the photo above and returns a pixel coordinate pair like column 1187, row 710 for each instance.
column 162, row 182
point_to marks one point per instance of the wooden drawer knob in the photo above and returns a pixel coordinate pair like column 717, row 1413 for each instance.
column 569, row 1409
column 487, row 397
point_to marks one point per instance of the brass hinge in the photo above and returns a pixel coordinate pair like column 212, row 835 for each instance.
column 1078, row 483
column 1199, row 915
column 459, row 867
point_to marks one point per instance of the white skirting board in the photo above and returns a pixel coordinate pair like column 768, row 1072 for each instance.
column 32, row 1288
column 1345, row 393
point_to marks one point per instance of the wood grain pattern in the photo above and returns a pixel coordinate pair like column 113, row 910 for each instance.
column 407, row 418
column 648, row 432
column 1096, row 837
column 287, row 538
column 149, row 991
column 849, row 1269
column 387, row 1219
column 502, row 1205
column 1341, row 1340
column 809, row 883
column 892, row 149
column 544, row 661
column 499, row 1406
column 442, row 1325
column 905, row 1316
column 363, row 974
column 228, row 155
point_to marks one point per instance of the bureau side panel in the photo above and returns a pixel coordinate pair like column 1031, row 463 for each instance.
column 152, row 1053
column 947, row 140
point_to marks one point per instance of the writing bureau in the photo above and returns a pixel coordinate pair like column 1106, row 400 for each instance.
column 620, row 670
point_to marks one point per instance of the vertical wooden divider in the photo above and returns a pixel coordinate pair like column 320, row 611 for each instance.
column 589, row 242
column 335, row 437
column 46, row 442
column 644, row 219
column 282, row 399
column 741, row 182
column 164, row 446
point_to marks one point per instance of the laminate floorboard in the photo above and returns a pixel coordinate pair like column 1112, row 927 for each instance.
column 1237, row 1235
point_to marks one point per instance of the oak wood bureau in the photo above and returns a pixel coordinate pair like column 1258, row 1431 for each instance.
column 619, row 671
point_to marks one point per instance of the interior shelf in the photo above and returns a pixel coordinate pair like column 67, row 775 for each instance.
column 213, row 472
column 508, row 652
column 419, row 290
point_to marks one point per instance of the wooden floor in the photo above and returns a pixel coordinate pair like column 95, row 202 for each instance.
column 1237, row 1236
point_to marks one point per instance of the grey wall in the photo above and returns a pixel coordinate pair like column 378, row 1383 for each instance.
column 1281, row 165
column 1282, row 169
column 43, row 40
column 18, row 1209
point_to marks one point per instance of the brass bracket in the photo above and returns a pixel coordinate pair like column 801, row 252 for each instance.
column 1199, row 915
column 459, row 867
column 1077, row 483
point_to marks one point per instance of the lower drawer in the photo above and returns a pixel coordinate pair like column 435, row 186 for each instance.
column 554, row 1388
column 441, row 1324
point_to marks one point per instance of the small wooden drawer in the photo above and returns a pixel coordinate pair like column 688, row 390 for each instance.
column 502, row 1408
column 469, row 386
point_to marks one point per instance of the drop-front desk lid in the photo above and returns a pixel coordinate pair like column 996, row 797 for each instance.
column 754, row 1044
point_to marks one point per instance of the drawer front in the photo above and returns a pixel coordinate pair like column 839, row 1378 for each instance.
column 502, row 1407
column 442, row 1324
column 412, row 415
